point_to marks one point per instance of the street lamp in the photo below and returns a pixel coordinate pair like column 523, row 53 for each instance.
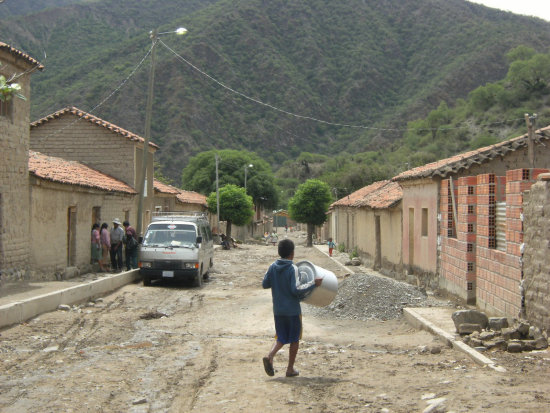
column 245, row 173
column 154, row 35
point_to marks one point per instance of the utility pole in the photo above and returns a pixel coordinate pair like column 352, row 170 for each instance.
column 217, row 195
column 530, row 121
column 147, row 137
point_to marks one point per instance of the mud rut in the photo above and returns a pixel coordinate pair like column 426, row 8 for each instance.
column 204, row 355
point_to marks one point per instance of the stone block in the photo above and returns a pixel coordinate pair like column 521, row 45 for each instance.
column 523, row 329
column 470, row 317
column 497, row 323
column 541, row 343
column 468, row 328
column 510, row 334
column 486, row 335
column 515, row 346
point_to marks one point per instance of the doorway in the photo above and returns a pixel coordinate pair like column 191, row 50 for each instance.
column 378, row 243
column 411, row 238
column 71, row 237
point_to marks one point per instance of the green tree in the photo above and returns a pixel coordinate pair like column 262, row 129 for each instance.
column 200, row 174
column 533, row 74
column 236, row 206
column 310, row 204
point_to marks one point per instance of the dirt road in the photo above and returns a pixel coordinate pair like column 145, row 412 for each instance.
column 174, row 348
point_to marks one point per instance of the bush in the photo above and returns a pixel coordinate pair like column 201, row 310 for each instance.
column 341, row 247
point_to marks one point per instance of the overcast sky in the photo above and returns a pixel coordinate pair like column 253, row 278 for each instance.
column 538, row 8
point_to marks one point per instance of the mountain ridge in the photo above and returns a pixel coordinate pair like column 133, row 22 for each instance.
column 377, row 64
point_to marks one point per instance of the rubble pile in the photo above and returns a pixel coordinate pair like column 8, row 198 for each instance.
column 366, row 296
column 498, row 333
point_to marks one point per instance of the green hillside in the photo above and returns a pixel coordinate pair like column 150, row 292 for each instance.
column 373, row 65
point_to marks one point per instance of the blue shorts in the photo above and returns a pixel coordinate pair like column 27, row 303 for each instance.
column 288, row 328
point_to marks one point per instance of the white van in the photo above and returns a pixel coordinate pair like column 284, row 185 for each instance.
column 177, row 246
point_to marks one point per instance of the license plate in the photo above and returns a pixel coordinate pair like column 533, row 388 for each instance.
column 168, row 274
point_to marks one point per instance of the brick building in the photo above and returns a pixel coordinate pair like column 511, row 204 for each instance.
column 462, row 228
column 14, row 179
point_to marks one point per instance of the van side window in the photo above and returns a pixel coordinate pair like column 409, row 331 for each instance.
column 209, row 232
column 203, row 233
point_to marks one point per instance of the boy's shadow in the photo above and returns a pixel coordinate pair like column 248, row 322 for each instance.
column 308, row 381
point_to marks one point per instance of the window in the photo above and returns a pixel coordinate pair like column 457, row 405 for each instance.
column 424, row 222
column 6, row 108
column 96, row 215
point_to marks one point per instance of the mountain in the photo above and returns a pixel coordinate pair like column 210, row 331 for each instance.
column 20, row 8
column 372, row 65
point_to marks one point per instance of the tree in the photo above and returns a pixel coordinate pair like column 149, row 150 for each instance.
column 310, row 204
column 200, row 174
column 236, row 206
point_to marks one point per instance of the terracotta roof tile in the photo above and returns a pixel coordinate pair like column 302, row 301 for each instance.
column 92, row 119
column 464, row 160
column 20, row 54
column 190, row 197
column 73, row 173
column 182, row 196
column 381, row 194
column 164, row 188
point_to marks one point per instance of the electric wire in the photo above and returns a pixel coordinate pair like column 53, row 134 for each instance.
column 286, row 112
column 113, row 92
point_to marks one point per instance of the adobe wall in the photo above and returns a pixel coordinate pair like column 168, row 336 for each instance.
column 72, row 138
column 420, row 251
column 536, row 257
column 14, row 199
column 50, row 203
column 69, row 138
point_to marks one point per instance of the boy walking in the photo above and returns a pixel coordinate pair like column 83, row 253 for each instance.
column 281, row 278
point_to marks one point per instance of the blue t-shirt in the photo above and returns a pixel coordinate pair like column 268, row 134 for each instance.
column 281, row 278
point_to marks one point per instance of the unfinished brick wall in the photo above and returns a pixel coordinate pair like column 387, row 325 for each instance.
column 536, row 257
column 499, row 273
column 474, row 264
column 458, row 237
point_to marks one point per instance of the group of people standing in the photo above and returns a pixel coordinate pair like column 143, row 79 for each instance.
column 107, row 246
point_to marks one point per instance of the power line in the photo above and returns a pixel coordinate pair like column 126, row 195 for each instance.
column 286, row 112
column 132, row 73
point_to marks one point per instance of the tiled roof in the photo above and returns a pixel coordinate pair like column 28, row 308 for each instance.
column 381, row 194
column 21, row 55
column 164, row 188
column 73, row 173
column 92, row 119
column 190, row 197
column 464, row 160
column 184, row 197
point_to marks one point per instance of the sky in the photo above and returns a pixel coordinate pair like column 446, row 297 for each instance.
column 537, row 8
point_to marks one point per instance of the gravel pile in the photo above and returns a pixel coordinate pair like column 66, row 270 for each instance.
column 372, row 297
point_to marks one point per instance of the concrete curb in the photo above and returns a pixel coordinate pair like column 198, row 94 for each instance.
column 20, row 311
column 345, row 267
column 419, row 322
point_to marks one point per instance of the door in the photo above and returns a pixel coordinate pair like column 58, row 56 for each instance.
column 378, row 242
column 411, row 238
column 71, row 237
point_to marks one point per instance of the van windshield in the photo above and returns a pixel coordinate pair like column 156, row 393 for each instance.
column 170, row 235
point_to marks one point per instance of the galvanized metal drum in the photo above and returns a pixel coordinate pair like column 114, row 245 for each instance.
column 325, row 293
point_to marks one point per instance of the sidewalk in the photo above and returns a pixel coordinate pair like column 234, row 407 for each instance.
column 22, row 301
column 436, row 320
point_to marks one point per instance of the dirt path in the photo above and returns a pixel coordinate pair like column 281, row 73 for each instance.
column 173, row 348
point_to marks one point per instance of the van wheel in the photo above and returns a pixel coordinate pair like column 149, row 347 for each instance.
column 146, row 281
column 198, row 279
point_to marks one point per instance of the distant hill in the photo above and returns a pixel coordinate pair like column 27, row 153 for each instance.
column 21, row 8
column 374, row 63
